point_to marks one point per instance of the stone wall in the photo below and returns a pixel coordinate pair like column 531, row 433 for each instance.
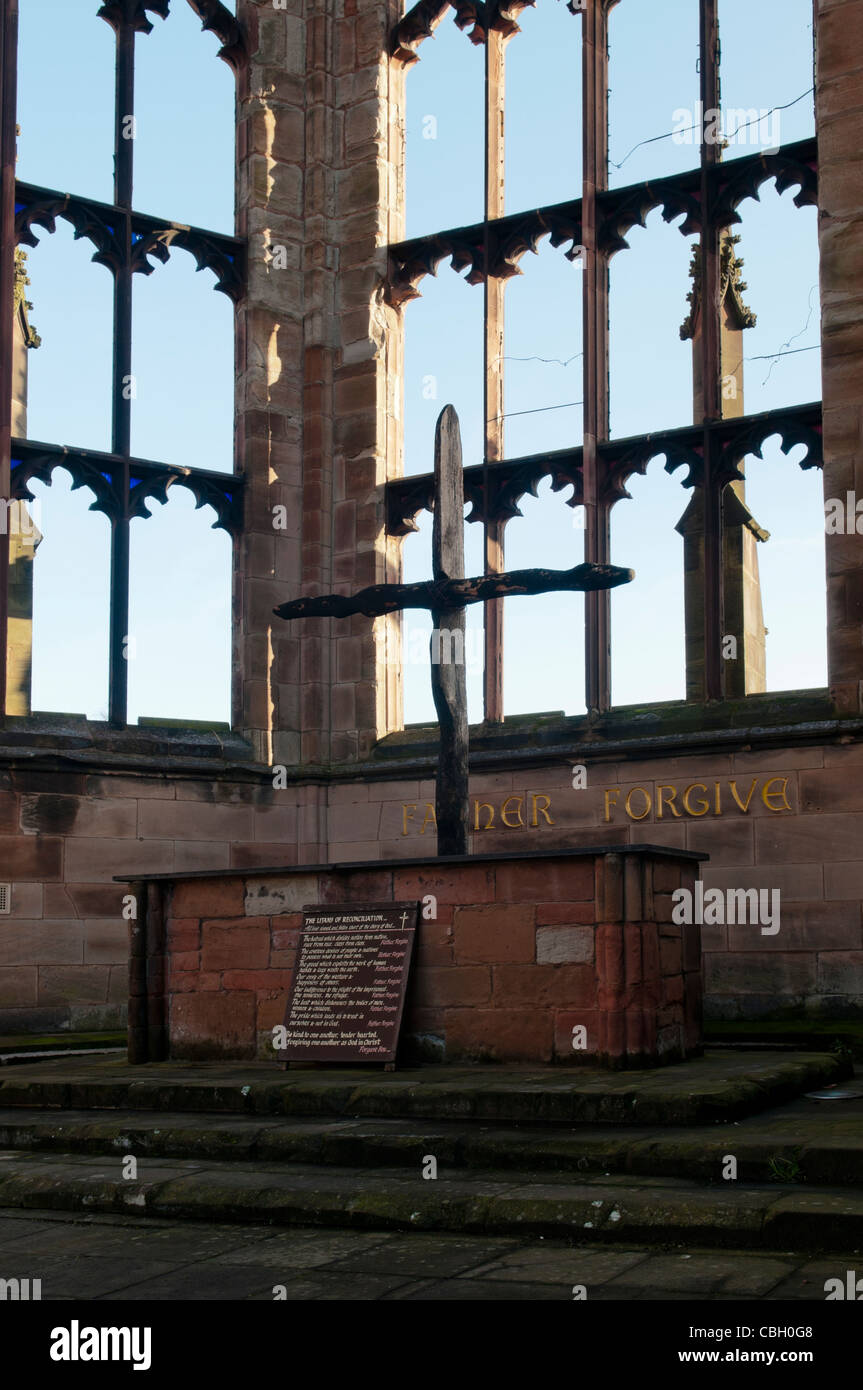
column 319, row 381
column 65, row 834
column 319, row 377
column 568, row 957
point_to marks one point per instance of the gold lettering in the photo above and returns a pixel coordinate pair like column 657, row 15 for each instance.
column 483, row 806
column 744, row 806
column 430, row 816
column 767, row 794
column 718, row 806
column 667, row 787
column 540, row 810
column 647, row 799
column 504, row 812
column 405, row 816
column 686, row 805
column 615, row 792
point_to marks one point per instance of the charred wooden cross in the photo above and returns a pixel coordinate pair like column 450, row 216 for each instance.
column 447, row 595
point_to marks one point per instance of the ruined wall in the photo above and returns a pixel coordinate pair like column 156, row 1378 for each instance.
column 790, row 821
column 320, row 188
column 319, row 383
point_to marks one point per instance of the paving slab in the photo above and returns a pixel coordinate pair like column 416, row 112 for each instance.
column 313, row 1265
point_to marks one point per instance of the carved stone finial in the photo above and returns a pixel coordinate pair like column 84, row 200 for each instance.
column 731, row 289
column 20, row 304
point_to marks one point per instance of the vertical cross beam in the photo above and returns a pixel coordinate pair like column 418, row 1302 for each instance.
column 595, row 310
column 449, row 685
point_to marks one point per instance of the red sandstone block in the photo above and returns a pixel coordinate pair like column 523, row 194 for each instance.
column 213, row 1025
column 358, row 885
column 419, row 1020
column 271, row 1013
column 672, row 990
column 208, row 897
column 73, row 984
column 632, row 933
column 31, row 857
column 433, row 955
column 97, row 899
column 183, row 981
column 209, row 980
column 188, row 940
column 443, row 917
column 283, row 960
column 544, row 986
column 670, row 956
column 612, row 1033
column 452, row 986
column 18, row 986
column 691, row 948
column 285, row 940
column 462, row 885
column 434, row 934
column 257, row 979
column 532, row 881
column 180, row 926
column 241, row 943
column 8, row 813
column 185, row 960
column 262, row 856
column 494, row 934
column 610, row 958
column 500, row 1035
column 666, row 877
column 565, row 914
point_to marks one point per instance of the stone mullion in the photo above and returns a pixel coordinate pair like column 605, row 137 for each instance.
column 269, row 397
column 597, row 636
column 711, row 357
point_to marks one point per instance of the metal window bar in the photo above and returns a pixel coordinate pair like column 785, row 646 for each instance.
column 709, row 195
column 123, row 239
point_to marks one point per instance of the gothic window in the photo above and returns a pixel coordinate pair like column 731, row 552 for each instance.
column 135, row 404
column 676, row 175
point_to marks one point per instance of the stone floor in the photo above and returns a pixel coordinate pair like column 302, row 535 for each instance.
column 110, row 1258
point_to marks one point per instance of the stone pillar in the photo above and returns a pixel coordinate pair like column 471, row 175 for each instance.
column 839, row 72
column 319, row 371
column 24, row 533
column 746, row 674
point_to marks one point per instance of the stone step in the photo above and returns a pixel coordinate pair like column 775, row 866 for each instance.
column 605, row 1209
column 719, row 1087
column 820, row 1145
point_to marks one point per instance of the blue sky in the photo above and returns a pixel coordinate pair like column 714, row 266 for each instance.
column 183, row 350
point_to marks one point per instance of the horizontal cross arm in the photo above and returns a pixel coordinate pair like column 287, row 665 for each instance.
column 443, row 594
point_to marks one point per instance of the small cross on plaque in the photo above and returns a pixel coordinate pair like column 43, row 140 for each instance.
column 446, row 595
